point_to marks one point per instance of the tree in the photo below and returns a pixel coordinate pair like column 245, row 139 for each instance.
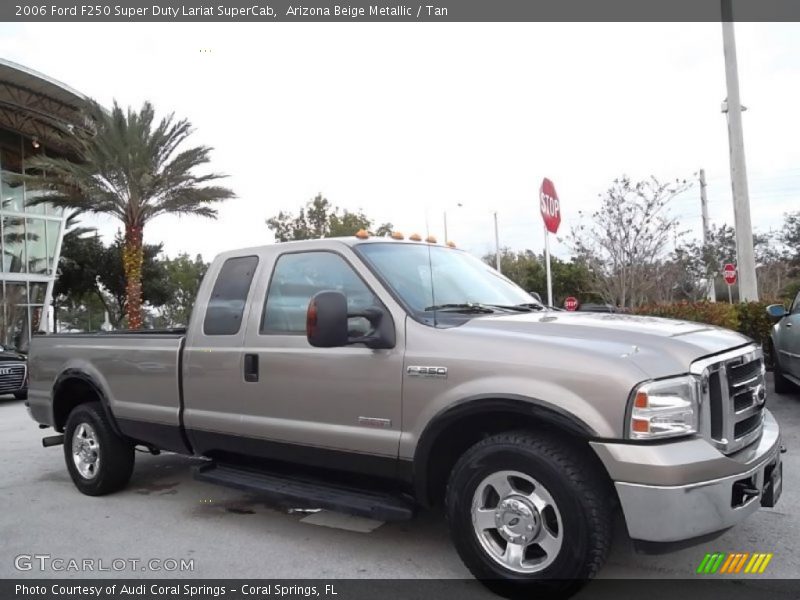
column 627, row 237
column 320, row 219
column 134, row 169
column 527, row 270
column 90, row 273
column 183, row 277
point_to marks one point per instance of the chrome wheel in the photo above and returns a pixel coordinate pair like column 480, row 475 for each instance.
column 517, row 521
column 86, row 451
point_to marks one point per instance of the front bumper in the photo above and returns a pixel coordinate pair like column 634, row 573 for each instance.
column 681, row 490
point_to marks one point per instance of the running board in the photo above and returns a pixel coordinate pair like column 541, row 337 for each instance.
column 309, row 493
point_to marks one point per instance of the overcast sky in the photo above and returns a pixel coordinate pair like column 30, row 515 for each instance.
column 404, row 120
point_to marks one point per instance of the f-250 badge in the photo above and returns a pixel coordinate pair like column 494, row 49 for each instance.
column 440, row 372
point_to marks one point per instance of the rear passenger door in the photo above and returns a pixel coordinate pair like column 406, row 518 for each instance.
column 213, row 358
column 326, row 399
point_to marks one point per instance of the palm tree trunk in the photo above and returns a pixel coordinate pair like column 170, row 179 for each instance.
column 132, row 261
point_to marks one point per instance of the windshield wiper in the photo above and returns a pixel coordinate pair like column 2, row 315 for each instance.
column 465, row 307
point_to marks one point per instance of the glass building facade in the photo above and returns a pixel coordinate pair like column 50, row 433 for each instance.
column 30, row 240
column 37, row 116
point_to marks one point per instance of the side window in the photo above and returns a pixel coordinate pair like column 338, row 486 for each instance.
column 229, row 296
column 796, row 306
column 297, row 277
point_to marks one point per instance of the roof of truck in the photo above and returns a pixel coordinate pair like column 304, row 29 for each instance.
column 347, row 241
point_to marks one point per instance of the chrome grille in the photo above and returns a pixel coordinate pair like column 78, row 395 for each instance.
column 12, row 376
column 734, row 394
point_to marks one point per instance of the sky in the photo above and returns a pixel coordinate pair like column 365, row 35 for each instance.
column 408, row 121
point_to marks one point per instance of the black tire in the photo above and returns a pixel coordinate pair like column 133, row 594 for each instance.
column 21, row 395
column 115, row 455
column 579, row 490
column 780, row 383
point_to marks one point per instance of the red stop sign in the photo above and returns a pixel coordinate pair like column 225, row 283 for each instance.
column 571, row 303
column 549, row 205
column 729, row 273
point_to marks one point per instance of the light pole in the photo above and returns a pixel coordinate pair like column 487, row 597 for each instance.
column 444, row 214
column 745, row 257
column 496, row 245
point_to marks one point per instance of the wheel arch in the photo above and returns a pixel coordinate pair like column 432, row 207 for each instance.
column 74, row 387
column 458, row 427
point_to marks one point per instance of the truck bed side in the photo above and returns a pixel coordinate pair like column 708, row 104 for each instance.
column 135, row 374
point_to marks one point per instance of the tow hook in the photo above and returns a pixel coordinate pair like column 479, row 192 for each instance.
column 53, row 440
column 783, row 449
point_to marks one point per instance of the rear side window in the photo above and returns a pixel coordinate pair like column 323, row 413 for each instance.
column 229, row 296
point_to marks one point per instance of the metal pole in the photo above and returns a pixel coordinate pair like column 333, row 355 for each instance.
column 745, row 257
column 547, row 261
column 712, row 292
column 496, row 245
column 445, row 227
column 730, row 298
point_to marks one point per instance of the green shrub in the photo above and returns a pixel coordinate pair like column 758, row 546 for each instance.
column 721, row 314
column 754, row 321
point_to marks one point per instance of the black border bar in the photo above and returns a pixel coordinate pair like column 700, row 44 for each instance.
column 395, row 11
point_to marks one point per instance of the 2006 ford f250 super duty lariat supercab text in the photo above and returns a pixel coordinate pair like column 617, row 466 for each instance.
column 375, row 375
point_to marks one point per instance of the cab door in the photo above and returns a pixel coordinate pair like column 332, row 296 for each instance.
column 321, row 405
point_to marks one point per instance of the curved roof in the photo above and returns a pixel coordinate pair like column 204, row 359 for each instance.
column 38, row 106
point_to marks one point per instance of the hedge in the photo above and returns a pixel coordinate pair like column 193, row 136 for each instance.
column 749, row 318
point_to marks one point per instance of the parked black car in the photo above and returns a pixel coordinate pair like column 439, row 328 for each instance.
column 13, row 373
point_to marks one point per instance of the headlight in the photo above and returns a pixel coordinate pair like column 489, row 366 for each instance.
column 665, row 408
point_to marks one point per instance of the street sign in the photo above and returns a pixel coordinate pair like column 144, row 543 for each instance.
column 571, row 303
column 729, row 273
column 549, row 205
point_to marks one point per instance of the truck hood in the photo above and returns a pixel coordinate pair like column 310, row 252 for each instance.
column 659, row 347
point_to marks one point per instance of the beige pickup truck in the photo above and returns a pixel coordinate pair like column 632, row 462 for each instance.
column 376, row 376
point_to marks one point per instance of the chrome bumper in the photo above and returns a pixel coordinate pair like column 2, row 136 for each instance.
column 671, row 513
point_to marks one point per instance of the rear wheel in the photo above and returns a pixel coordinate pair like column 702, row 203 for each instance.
column 98, row 460
column 527, row 515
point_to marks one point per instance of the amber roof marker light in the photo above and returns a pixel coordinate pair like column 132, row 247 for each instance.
column 362, row 234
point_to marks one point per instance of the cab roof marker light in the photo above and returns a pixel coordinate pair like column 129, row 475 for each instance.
column 415, row 237
column 396, row 235
column 362, row 234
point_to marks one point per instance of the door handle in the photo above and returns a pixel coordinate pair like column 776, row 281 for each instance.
column 251, row 367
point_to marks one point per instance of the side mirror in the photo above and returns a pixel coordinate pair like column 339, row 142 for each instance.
column 327, row 323
column 776, row 311
column 326, row 320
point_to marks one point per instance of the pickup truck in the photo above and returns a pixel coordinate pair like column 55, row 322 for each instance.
column 378, row 375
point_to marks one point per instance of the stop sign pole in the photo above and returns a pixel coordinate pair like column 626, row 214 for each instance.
column 550, row 207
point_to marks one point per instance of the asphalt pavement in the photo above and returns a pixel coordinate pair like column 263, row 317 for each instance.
column 224, row 533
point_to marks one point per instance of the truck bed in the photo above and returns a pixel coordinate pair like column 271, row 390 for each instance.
column 138, row 373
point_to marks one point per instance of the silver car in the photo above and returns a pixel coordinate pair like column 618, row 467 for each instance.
column 785, row 345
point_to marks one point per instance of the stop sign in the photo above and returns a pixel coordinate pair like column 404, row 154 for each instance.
column 729, row 273
column 549, row 205
column 571, row 303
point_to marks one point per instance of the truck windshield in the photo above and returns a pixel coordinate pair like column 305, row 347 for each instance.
column 426, row 276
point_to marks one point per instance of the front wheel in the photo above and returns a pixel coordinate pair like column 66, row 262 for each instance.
column 529, row 515
column 98, row 460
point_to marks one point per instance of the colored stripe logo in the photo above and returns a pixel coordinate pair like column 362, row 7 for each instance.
column 734, row 562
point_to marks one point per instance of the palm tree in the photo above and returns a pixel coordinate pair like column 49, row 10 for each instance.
column 129, row 167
